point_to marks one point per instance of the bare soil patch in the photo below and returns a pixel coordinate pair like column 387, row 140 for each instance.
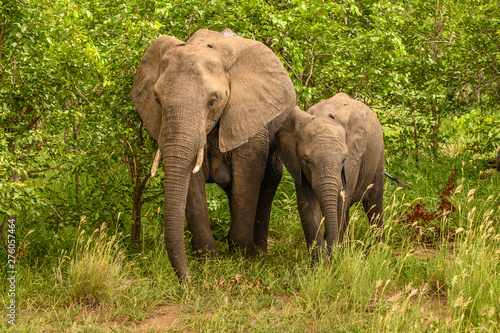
column 435, row 308
column 164, row 318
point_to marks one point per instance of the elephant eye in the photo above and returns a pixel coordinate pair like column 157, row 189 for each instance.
column 212, row 101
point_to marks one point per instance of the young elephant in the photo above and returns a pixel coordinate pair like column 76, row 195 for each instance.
column 335, row 153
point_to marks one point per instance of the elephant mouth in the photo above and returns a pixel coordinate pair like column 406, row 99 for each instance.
column 198, row 164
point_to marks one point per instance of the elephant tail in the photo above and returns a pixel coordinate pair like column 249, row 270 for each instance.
column 396, row 179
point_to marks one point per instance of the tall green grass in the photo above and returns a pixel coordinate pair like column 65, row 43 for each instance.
column 473, row 277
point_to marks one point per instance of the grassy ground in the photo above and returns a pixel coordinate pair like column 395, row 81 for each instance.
column 437, row 274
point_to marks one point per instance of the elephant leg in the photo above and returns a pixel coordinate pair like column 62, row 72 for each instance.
column 249, row 162
column 272, row 178
column 345, row 201
column 310, row 217
column 197, row 217
column 373, row 204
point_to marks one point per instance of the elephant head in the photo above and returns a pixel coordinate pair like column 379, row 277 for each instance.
column 183, row 91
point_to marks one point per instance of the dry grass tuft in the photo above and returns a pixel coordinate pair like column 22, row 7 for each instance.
column 95, row 271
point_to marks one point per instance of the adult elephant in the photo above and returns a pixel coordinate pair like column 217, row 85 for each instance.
column 335, row 153
column 213, row 104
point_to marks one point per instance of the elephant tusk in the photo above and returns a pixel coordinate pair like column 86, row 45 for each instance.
column 156, row 163
column 199, row 160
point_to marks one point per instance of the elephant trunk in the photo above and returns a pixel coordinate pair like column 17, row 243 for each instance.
column 180, row 148
column 328, row 187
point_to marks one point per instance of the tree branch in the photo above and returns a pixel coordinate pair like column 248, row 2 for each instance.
column 31, row 124
column 53, row 168
column 296, row 76
column 54, row 209
column 2, row 32
column 143, row 201
column 311, row 71
column 144, row 180
column 84, row 97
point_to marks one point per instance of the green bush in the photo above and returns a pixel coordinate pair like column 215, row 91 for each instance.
column 480, row 130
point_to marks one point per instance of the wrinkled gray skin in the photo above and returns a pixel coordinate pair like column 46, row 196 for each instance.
column 337, row 146
column 225, row 97
column 498, row 160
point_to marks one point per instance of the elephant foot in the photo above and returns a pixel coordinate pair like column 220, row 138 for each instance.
column 184, row 279
column 262, row 246
column 318, row 253
column 205, row 253
column 332, row 253
column 250, row 250
column 323, row 257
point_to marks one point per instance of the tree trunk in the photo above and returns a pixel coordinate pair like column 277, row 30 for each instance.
column 77, row 176
column 137, row 202
column 435, row 129
column 415, row 139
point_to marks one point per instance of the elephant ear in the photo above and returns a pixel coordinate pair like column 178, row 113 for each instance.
column 145, row 79
column 356, row 139
column 260, row 90
column 286, row 142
